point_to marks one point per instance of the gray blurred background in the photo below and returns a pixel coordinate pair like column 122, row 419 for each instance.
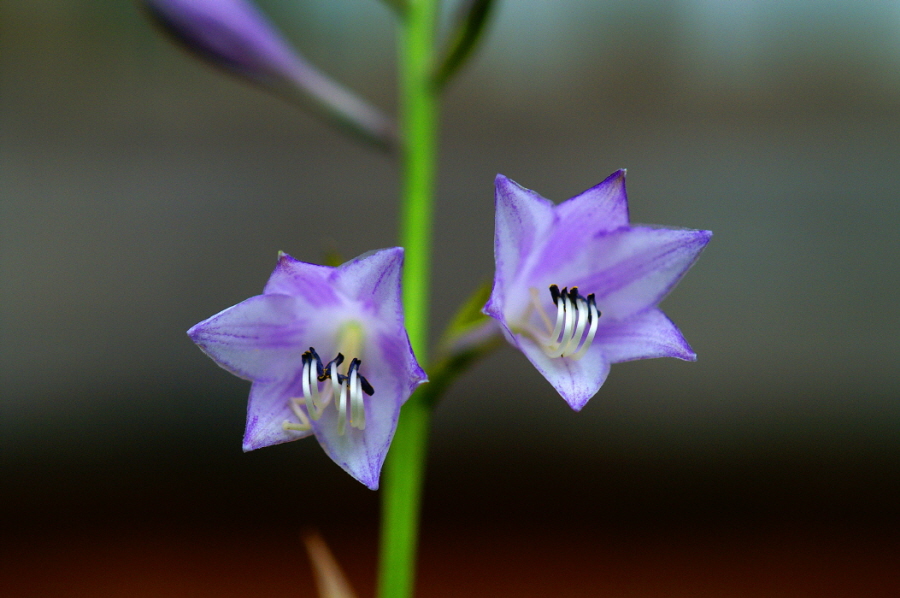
column 142, row 191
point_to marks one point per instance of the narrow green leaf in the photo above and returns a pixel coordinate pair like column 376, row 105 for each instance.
column 469, row 314
column 465, row 35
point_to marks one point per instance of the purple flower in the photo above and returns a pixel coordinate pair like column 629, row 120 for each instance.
column 236, row 36
column 576, row 286
column 328, row 355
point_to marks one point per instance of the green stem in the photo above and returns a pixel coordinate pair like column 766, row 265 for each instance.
column 403, row 471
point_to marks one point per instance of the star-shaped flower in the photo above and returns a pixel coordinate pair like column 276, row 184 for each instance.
column 576, row 287
column 351, row 316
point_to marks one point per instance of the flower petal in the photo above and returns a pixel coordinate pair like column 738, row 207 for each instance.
column 603, row 207
column 267, row 410
column 522, row 220
column 388, row 362
column 299, row 279
column 391, row 368
column 374, row 279
column 258, row 339
column 575, row 380
column 632, row 269
column 644, row 336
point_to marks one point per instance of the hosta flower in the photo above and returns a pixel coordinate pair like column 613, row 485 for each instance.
column 576, row 286
column 328, row 355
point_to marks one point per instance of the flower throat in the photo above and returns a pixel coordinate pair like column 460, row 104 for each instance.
column 574, row 313
column 344, row 387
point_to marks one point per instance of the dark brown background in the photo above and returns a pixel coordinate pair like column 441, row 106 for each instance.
column 142, row 192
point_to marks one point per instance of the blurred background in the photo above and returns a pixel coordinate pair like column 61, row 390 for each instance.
column 142, row 191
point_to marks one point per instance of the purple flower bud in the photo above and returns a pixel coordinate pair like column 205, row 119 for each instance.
column 236, row 36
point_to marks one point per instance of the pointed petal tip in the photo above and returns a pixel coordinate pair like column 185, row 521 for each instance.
column 398, row 251
column 392, row 252
column 616, row 178
column 285, row 258
column 700, row 240
column 248, row 443
column 577, row 406
column 577, row 402
column 686, row 353
column 490, row 309
column 196, row 332
column 368, row 474
column 503, row 182
column 420, row 375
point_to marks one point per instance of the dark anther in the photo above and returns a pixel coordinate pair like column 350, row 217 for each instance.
column 573, row 296
column 592, row 302
column 363, row 383
column 334, row 363
column 554, row 293
column 311, row 356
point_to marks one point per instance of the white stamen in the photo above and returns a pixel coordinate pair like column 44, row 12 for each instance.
column 568, row 338
column 309, row 381
column 560, row 316
column 595, row 321
column 582, row 311
column 339, row 388
column 357, row 407
column 569, row 317
column 340, row 400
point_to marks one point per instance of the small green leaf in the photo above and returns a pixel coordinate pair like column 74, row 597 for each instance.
column 470, row 330
column 469, row 314
column 469, row 337
column 464, row 37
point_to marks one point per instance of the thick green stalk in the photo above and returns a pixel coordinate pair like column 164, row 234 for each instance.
column 403, row 472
